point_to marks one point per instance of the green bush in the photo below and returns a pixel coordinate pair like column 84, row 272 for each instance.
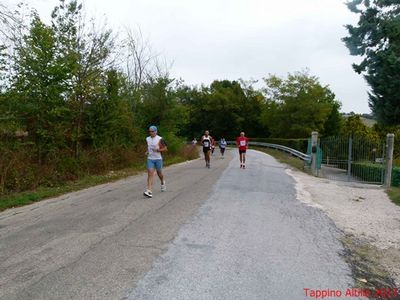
column 370, row 172
column 396, row 177
column 174, row 143
column 65, row 168
column 396, row 162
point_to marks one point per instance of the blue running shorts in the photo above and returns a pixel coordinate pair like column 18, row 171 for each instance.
column 154, row 164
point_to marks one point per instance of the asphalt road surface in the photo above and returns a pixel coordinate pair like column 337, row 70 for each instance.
column 219, row 233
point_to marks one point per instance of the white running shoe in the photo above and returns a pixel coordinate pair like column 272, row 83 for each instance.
column 163, row 187
column 148, row 194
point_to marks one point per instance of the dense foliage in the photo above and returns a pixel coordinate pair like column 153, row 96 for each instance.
column 298, row 105
column 76, row 100
column 376, row 38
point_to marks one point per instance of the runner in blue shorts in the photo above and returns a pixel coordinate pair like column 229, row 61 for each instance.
column 155, row 145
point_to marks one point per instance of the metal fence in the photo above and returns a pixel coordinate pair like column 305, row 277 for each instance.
column 345, row 158
column 350, row 158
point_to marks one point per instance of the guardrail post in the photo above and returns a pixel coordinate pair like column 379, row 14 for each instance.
column 389, row 159
column 314, row 144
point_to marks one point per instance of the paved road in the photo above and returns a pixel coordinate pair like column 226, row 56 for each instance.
column 223, row 233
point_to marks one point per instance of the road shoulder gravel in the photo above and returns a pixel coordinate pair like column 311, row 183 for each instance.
column 370, row 221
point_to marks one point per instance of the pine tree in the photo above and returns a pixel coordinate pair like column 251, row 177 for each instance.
column 376, row 38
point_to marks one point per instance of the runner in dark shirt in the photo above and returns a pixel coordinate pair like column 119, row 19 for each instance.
column 206, row 141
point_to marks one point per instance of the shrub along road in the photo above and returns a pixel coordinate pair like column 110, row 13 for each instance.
column 219, row 233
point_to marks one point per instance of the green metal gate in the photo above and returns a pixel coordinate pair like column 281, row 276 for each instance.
column 350, row 158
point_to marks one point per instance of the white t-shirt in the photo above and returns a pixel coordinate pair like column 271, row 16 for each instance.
column 152, row 146
column 222, row 144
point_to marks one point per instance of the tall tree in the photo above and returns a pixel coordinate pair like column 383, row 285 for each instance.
column 225, row 108
column 86, row 55
column 298, row 105
column 35, row 94
column 376, row 38
column 160, row 105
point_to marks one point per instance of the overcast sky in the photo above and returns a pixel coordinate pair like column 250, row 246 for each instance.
column 249, row 39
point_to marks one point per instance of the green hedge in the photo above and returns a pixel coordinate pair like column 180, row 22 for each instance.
column 367, row 171
column 396, row 176
column 370, row 172
column 297, row 144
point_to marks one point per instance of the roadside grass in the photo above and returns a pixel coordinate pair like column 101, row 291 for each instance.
column 394, row 194
column 283, row 157
column 364, row 260
column 28, row 197
column 41, row 193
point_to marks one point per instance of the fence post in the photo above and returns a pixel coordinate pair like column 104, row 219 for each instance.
column 349, row 158
column 389, row 159
column 314, row 144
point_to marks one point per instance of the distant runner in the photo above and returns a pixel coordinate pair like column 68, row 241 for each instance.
column 243, row 144
column 155, row 145
column 222, row 146
column 206, row 141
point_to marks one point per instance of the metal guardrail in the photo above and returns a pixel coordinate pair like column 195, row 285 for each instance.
column 291, row 151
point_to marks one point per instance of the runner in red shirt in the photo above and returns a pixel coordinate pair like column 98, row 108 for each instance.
column 243, row 144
